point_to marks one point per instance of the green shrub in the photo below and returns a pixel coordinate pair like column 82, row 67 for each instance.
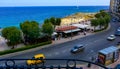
column 24, row 48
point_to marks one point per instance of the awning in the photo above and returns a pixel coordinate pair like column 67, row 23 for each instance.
column 69, row 31
column 80, row 25
column 108, row 50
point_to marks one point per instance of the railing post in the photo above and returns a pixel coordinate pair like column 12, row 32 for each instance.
column 43, row 67
column 59, row 67
column 89, row 65
column 51, row 67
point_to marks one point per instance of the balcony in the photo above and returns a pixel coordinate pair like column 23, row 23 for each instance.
column 50, row 64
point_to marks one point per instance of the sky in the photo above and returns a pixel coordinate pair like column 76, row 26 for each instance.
column 54, row 2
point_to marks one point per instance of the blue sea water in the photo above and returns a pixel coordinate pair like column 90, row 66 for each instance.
column 13, row 16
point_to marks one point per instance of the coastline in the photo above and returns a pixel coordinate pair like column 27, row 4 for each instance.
column 77, row 18
column 14, row 16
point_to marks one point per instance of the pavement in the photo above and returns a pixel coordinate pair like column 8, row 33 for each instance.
column 63, row 40
column 3, row 45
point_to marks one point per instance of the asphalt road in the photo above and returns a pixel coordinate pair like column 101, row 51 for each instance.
column 93, row 44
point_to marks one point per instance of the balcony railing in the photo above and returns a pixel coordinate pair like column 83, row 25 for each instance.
column 48, row 64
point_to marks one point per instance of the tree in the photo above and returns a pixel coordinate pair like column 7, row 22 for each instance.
column 47, row 28
column 103, row 13
column 58, row 21
column 102, row 10
column 53, row 21
column 98, row 15
column 102, row 22
column 94, row 22
column 46, row 21
column 13, row 35
column 107, row 18
column 30, row 30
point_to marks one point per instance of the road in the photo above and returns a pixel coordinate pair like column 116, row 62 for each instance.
column 93, row 43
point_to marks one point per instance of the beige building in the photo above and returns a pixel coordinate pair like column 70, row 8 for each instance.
column 115, row 8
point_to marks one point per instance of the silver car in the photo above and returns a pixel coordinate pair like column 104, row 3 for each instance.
column 111, row 37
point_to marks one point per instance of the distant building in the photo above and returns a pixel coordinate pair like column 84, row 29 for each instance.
column 115, row 8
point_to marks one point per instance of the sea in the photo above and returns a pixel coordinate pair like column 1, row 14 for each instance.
column 13, row 16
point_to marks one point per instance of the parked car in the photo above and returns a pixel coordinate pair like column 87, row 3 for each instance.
column 117, row 32
column 111, row 37
column 113, row 20
column 77, row 48
column 34, row 61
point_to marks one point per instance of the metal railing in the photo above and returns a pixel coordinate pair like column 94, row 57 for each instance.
column 12, row 64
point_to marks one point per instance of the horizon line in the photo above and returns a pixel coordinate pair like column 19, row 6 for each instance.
column 53, row 6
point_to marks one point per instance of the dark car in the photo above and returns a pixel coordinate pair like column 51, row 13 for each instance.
column 114, row 20
column 117, row 32
column 77, row 48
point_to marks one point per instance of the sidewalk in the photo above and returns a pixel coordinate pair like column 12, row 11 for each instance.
column 62, row 40
column 3, row 45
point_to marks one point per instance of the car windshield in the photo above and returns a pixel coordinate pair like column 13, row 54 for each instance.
column 112, row 36
column 79, row 46
column 75, row 47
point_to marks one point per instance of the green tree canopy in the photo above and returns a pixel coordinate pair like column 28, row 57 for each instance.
column 107, row 18
column 46, row 21
column 102, row 22
column 47, row 28
column 103, row 13
column 98, row 15
column 12, row 34
column 94, row 22
column 30, row 29
column 58, row 21
column 55, row 21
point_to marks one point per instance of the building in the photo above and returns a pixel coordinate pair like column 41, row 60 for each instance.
column 115, row 8
column 67, row 31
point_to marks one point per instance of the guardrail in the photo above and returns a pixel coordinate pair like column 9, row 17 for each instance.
column 69, row 64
